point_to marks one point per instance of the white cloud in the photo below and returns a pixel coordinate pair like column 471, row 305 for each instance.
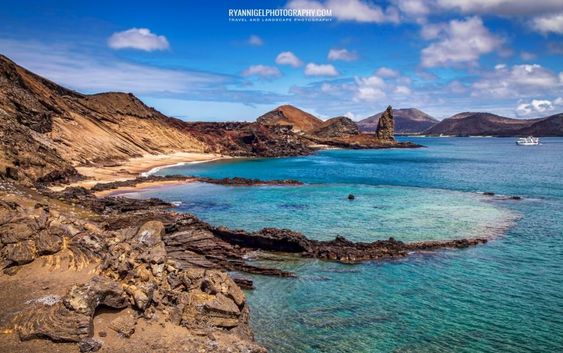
column 288, row 58
column 369, row 89
column 523, row 109
column 542, row 105
column 413, row 8
column 262, row 71
column 432, row 31
column 255, row 40
column 517, row 81
column 462, row 42
column 350, row 10
column 341, row 54
column 402, row 90
column 549, row 23
column 386, row 72
column 138, row 38
column 535, row 107
column 313, row 69
column 558, row 101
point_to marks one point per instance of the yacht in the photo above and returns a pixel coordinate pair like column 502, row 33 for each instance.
column 528, row 141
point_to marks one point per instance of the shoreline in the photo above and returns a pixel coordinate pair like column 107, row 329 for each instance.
column 138, row 167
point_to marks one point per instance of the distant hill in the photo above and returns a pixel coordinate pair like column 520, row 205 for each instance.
column 549, row 126
column 407, row 121
column 290, row 116
column 487, row 124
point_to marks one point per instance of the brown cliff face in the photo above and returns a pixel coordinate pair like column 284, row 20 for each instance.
column 385, row 127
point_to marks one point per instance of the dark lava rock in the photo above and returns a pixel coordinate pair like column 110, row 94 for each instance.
column 351, row 197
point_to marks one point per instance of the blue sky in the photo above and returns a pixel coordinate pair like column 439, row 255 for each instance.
column 187, row 59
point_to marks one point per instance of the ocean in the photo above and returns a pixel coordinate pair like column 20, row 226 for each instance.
column 504, row 296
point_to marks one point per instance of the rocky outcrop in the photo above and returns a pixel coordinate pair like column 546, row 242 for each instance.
column 340, row 249
column 336, row 127
column 385, row 127
column 236, row 181
column 131, row 267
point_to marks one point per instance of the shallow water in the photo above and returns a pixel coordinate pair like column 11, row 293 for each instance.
column 505, row 296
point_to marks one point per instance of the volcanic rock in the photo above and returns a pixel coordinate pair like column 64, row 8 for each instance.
column 385, row 126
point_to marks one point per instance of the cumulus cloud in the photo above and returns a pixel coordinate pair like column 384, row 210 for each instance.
column 341, row 54
column 414, row 8
column 549, row 23
column 369, row 89
column 402, row 90
column 288, row 58
column 313, row 69
column 350, row 10
column 255, row 40
column 262, row 71
column 534, row 107
column 138, row 38
column 386, row 72
column 460, row 42
column 516, row 81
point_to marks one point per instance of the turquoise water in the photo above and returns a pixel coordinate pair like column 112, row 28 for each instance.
column 505, row 296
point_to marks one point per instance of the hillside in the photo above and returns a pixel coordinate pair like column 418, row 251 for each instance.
column 288, row 115
column 549, row 126
column 407, row 121
column 480, row 124
column 48, row 130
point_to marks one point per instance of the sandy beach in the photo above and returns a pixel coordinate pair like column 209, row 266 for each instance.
column 139, row 166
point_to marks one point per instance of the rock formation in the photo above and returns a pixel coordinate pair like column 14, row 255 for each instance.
column 128, row 267
column 385, row 127
column 336, row 127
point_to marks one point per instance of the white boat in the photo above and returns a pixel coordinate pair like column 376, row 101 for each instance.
column 528, row 141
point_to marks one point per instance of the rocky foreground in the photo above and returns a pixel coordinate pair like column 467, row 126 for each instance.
column 113, row 274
